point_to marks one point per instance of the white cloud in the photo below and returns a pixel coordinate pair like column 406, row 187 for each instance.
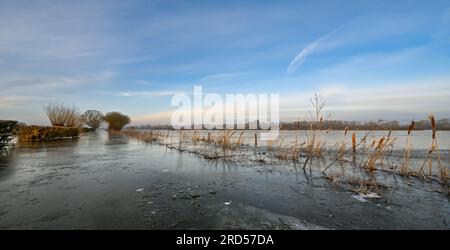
column 301, row 57
column 143, row 82
column 148, row 93
column 398, row 100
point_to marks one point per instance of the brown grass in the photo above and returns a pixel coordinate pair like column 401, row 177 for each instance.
column 434, row 151
column 404, row 168
column 40, row 133
column 377, row 153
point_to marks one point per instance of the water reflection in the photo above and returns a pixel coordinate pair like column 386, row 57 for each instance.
column 48, row 144
column 116, row 139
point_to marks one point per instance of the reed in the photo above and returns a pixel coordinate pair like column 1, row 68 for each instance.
column 434, row 150
column 145, row 136
column 354, row 142
column 239, row 140
column 195, row 137
column 377, row 153
column 369, row 152
column 404, row 168
column 42, row 133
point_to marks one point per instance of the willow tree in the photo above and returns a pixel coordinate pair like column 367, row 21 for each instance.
column 93, row 118
column 62, row 115
column 116, row 120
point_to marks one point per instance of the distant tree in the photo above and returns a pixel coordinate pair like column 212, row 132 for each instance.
column 318, row 102
column 62, row 115
column 93, row 118
column 116, row 120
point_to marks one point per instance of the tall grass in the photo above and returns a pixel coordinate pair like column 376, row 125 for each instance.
column 369, row 154
column 434, row 150
column 42, row 133
column 404, row 168
column 378, row 151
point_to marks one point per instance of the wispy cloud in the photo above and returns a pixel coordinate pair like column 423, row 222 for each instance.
column 399, row 100
column 133, row 55
column 157, row 118
column 133, row 60
column 45, row 83
column 301, row 56
column 148, row 93
column 143, row 82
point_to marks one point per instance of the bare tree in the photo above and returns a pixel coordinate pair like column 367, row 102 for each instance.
column 62, row 115
column 93, row 118
column 318, row 102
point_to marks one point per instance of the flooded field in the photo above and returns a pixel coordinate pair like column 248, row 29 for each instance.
column 421, row 139
column 111, row 181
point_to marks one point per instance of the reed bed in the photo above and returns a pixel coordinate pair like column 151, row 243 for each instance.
column 145, row 136
column 404, row 169
column 434, row 151
column 42, row 133
column 360, row 158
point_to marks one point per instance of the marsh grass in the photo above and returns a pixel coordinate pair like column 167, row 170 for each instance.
column 433, row 151
column 42, row 133
column 361, row 158
column 292, row 153
column 377, row 152
column 404, row 168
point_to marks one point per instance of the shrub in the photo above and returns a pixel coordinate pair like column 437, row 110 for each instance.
column 93, row 119
column 7, row 130
column 116, row 120
column 42, row 133
column 62, row 115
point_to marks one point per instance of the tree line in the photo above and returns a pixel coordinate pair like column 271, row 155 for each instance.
column 61, row 115
column 442, row 124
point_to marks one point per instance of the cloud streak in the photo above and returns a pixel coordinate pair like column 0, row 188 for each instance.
column 303, row 54
column 148, row 93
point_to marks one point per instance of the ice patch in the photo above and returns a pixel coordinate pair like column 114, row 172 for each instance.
column 363, row 197
column 359, row 197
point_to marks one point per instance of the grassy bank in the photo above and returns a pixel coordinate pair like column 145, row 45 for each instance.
column 44, row 133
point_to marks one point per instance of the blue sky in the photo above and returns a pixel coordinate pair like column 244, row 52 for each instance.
column 370, row 59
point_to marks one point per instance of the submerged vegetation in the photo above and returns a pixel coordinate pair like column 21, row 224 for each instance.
column 366, row 163
column 357, row 160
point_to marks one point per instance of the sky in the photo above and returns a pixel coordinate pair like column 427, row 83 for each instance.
column 370, row 59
